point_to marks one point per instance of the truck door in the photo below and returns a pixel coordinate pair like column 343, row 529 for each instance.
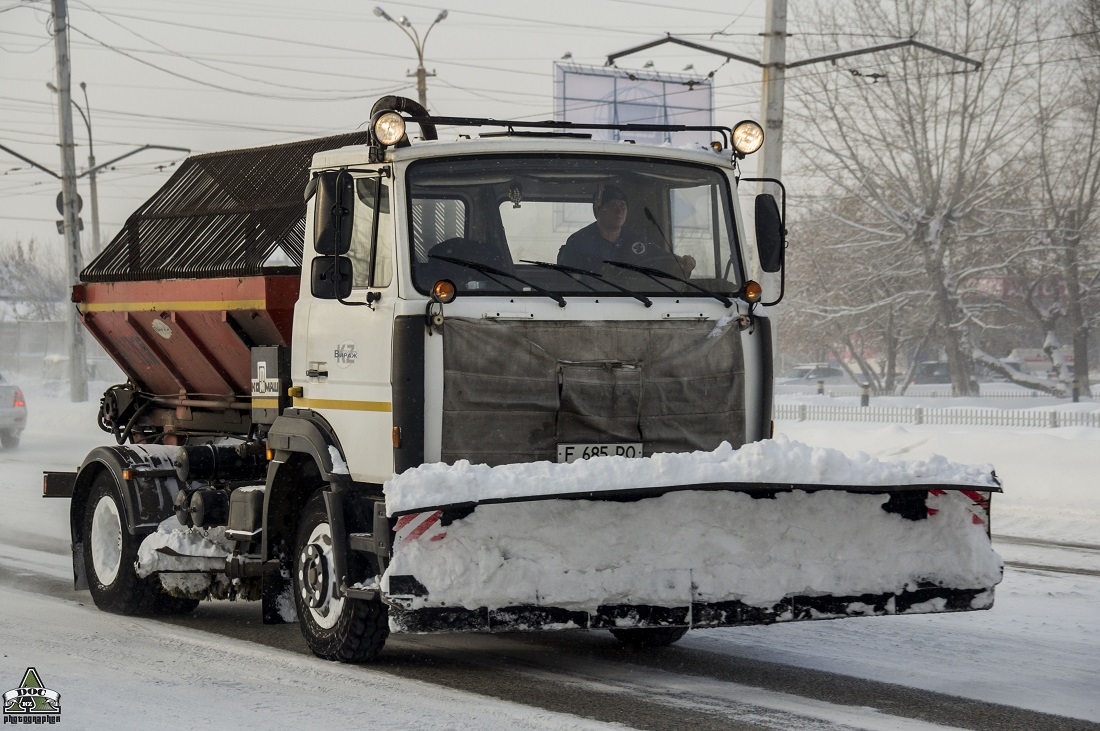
column 347, row 378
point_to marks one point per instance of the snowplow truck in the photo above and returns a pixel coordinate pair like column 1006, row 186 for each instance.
column 518, row 379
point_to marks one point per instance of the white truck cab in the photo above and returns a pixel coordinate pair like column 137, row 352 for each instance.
column 457, row 261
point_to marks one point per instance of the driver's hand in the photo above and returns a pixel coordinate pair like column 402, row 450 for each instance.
column 687, row 263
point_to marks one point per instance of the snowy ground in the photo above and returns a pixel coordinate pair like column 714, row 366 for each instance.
column 1038, row 648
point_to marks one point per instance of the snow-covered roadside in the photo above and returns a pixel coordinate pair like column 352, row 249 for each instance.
column 1049, row 475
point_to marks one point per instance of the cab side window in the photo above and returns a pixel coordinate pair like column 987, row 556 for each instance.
column 370, row 235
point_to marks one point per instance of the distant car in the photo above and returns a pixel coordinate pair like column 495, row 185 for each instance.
column 13, row 414
column 932, row 371
column 810, row 374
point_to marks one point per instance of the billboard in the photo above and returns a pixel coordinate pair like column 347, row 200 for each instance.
column 608, row 95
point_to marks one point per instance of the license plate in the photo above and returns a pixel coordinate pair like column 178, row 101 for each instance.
column 573, row 452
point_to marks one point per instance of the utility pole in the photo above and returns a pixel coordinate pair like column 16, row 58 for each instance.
column 407, row 28
column 775, row 71
column 69, row 200
column 78, row 366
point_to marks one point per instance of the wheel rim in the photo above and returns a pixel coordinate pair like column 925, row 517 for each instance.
column 317, row 580
column 106, row 540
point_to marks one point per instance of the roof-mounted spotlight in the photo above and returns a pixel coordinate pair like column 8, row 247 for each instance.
column 388, row 128
column 747, row 137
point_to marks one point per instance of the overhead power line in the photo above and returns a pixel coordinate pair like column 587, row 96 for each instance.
column 195, row 59
column 291, row 41
column 361, row 95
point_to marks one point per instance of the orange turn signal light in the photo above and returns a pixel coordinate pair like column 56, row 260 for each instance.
column 444, row 291
column 751, row 292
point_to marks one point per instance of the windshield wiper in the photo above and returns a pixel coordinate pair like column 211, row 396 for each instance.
column 658, row 273
column 576, row 270
column 494, row 272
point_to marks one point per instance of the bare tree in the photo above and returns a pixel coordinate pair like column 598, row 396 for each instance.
column 31, row 292
column 851, row 291
column 925, row 146
column 1068, row 183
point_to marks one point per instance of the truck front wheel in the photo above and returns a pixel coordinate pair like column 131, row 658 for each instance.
column 110, row 559
column 335, row 627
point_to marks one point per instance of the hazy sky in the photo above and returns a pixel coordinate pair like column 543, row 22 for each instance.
column 220, row 75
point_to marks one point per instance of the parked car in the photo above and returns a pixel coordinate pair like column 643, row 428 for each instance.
column 13, row 414
column 932, row 371
column 809, row 374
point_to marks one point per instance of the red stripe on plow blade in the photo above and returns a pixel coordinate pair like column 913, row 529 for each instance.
column 425, row 522
column 977, row 511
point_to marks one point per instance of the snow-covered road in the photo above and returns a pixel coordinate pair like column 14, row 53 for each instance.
column 1038, row 649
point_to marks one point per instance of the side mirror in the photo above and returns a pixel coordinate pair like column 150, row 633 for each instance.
column 330, row 278
column 770, row 235
column 334, row 202
column 771, row 244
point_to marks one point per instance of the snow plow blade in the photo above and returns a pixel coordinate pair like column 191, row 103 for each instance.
column 704, row 554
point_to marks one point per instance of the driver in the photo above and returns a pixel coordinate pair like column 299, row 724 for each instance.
column 609, row 238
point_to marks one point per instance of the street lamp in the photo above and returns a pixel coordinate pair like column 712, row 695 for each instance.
column 91, row 167
column 91, row 160
column 407, row 28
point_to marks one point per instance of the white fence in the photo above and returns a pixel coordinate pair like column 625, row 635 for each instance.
column 986, row 391
column 920, row 415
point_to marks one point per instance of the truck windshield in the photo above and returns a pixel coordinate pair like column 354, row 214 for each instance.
column 556, row 221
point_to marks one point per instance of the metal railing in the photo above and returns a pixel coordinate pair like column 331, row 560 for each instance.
column 1044, row 418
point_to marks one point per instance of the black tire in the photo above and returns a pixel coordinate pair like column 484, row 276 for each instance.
column 9, row 438
column 110, row 557
column 335, row 628
column 649, row 636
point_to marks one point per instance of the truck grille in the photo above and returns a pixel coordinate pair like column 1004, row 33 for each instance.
column 513, row 390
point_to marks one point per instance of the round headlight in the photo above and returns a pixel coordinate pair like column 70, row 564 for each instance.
column 747, row 137
column 389, row 128
column 444, row 291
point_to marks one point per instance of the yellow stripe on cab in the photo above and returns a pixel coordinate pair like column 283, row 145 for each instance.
column 342, row 405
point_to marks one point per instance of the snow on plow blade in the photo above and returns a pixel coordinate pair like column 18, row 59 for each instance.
column 518, row 547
